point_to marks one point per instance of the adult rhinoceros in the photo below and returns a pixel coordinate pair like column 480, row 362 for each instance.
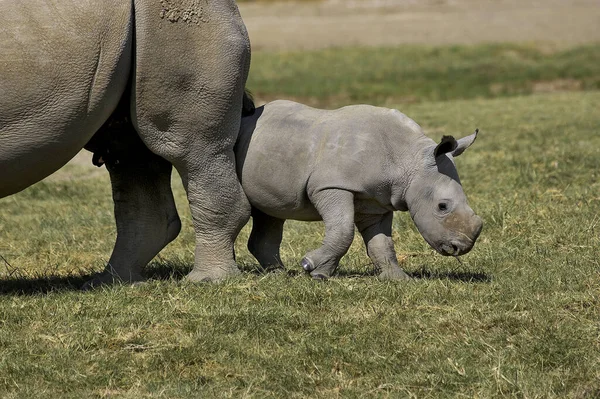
column 178, row 67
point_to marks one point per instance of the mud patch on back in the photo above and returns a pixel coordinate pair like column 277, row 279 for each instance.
column 187, row 11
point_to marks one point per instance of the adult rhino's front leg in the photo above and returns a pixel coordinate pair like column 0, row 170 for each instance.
column 192, row 60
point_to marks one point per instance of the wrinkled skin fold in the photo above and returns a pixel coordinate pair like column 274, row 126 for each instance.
column 162, row 84
column 350, row 167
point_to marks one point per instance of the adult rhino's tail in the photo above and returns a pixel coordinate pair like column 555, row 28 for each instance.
column 248, row 106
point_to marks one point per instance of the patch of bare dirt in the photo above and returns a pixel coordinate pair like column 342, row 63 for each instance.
column 542, row 86
column 313, row 25
column 557, row 85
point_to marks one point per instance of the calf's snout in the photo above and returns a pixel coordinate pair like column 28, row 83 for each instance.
column 464, row 238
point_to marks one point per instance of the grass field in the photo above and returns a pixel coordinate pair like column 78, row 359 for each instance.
column 406, row 74
column 520, row 317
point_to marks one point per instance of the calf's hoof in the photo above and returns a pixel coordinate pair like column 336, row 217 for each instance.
column 320, row 272
column 395, row 274
column 316, row 275
column 307, row 264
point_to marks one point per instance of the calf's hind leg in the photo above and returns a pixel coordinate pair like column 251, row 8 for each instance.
column 265, row 240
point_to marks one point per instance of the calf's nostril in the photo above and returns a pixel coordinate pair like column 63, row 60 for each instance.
column 478, row 227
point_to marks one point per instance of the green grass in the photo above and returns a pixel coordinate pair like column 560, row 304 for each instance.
column 520, row 317
column 407, row 74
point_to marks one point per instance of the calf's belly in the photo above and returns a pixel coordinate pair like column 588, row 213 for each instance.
column 274, row 177
column 305, row 213
column 280, row 202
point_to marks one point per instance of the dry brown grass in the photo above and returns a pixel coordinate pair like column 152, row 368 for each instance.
column 312, row 25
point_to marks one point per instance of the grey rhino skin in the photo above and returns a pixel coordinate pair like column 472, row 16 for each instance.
column 178, row 69
column 355, row 165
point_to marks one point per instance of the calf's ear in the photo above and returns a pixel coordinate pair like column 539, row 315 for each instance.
column 448, row 144
column 464, row 143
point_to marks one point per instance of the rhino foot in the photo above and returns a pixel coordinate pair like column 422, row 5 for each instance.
column 319, row 276
column 107, row 278
column 320, row 272
column 309, row 267
column 212, row 276
column 393, row 274
column 307, row 264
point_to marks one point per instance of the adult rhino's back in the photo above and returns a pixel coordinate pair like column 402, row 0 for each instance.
column 63, row 68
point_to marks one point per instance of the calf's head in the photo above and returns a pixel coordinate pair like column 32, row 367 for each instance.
column 437, row 202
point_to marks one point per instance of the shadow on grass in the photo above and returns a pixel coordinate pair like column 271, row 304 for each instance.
column 36, row 285
column 455, row 275
column 23, row 284
column 426, row 274
column 177, row 270
column 167, row 270
column 42, row 284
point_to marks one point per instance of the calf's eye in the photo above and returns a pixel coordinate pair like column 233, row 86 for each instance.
column 442, row 206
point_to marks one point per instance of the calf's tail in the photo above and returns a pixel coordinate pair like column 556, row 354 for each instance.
column 248, row 106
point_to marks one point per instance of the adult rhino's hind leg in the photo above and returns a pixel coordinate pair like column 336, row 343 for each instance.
column 189, row 83
column 145, row 212
column 219, row 210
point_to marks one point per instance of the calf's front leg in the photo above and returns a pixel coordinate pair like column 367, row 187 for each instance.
column 376, row 231
column 336, row 207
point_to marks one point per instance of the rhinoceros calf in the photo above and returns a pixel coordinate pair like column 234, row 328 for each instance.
column 354, row 165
